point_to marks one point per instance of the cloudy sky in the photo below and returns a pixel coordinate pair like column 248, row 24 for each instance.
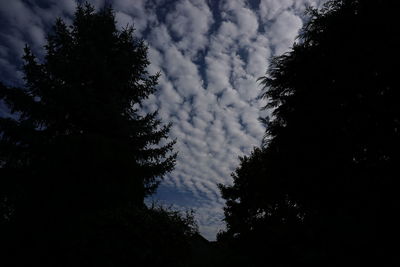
column 210, row 54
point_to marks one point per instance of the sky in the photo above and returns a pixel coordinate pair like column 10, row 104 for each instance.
column 210, row 54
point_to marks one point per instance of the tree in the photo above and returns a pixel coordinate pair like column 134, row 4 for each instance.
column 326, row 174
column 153, row 236
column 75, row 144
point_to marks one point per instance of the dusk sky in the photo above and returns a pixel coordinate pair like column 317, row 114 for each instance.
column 209, row 53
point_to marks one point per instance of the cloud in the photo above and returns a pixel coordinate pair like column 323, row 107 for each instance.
column 134, row 13
column 189, row 22
column 270, row 9
column 283, row 31
column 209, row 62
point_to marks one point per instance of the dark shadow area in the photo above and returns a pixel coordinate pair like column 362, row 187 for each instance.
column 77, row 159
column 322, row 190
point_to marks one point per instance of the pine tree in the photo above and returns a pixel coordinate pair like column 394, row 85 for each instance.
column 321, row 191
column 76, row 121
column 76, row 145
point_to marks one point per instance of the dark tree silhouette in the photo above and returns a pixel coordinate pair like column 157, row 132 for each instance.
column 77, row 158
column 321, row 191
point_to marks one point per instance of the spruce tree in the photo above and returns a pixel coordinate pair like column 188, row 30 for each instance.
column 75, row 125
column 321, row 191
column 75, row 151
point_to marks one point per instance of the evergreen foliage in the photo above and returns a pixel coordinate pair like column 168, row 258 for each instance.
column 77, row 158
column 321, row 190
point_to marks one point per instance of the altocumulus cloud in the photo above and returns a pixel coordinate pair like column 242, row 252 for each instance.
column 210, row 54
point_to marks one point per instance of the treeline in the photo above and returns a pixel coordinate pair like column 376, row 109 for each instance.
column 77, row 158
column 321, row 191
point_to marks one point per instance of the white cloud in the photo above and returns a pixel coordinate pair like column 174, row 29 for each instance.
column 189, row 22
column 259, row 52
column 283, row 31
column 128, row 12
column 270, row 9
column 209, row 66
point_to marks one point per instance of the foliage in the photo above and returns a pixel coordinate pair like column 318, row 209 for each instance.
column 77, row 115
column 321, row 189
column 125, row 236
column 77, row 158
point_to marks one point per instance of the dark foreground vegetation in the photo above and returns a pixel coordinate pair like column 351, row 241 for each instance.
column 77, row 159
column 322, row 190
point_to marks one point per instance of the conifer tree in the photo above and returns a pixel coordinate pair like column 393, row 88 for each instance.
column 321, row 191
column 75, row 123
column 77, row 156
